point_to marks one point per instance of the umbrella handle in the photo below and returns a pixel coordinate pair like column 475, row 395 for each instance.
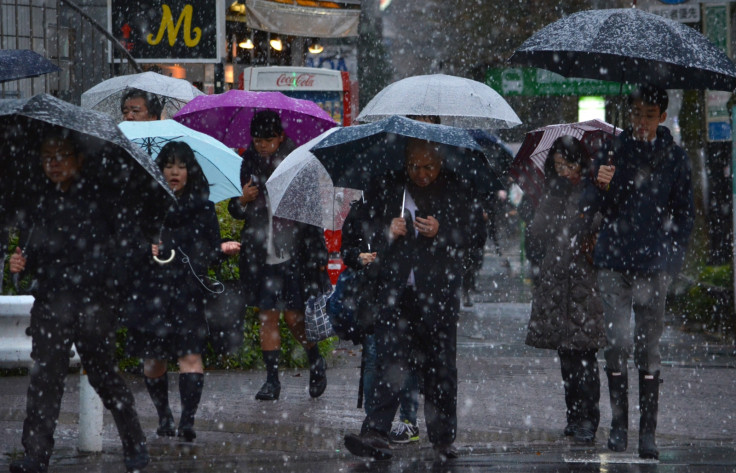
column 166, row 261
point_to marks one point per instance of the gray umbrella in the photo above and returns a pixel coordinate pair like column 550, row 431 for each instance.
column 628, row 45
column 125, row 175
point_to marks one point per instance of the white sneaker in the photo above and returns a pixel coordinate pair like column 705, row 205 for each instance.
column 403, row 432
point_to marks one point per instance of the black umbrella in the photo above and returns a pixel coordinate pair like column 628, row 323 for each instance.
column 628, row 45
column 22, row 63
column 126, row 177
column 355, row 155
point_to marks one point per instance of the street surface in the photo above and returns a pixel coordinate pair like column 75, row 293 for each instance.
column 511, row 408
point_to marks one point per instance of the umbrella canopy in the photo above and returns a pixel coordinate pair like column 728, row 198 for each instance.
column 105, row 97
column 300, row 189
column 527, row 168
column 219, row 163
column 22, row 63
column 227, row 116
column 495, row 150
column 628, row 45
column 126, row 176
column 355, row 155
column 457, row 101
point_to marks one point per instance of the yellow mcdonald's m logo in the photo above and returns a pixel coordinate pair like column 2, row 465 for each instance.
column 167, row 25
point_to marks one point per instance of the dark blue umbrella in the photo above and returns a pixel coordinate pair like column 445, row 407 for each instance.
column 21, row 63
column 355, row 155
column 499, row 155
column 628, row 45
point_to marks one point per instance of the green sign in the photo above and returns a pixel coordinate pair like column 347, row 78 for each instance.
column 531, row 81
column 716, row 25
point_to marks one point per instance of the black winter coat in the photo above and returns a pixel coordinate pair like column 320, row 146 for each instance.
column 567, row 310
column 437, row 262
column 70, row 241
column 170, row 298
column 305, row 243
column 648, row 208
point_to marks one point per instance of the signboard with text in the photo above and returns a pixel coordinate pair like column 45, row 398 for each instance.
column 689, row 13
column 169, row 30
column 531, row 81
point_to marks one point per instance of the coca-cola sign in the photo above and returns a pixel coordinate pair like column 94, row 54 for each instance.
column 295, row 80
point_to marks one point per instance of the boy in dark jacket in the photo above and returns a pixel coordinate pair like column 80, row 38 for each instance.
column 643, row 190
column 68, row 246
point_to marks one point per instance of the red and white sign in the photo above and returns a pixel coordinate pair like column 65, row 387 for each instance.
column 291, row 78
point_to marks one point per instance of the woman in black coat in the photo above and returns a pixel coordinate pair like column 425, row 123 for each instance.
column 282, row 262
column 170, row 322
column 567, row 311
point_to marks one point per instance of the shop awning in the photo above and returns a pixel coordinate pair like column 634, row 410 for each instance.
column 325, row 19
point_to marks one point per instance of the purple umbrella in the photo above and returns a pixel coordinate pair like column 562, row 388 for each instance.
column 226, row 117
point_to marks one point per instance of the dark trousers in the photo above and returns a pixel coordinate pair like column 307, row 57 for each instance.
column 57, row 321
column 423, row 334
column 582, row 385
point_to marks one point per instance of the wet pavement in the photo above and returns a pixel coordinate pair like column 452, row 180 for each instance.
column 510, row 408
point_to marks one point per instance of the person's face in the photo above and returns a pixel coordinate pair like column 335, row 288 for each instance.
column 175, row 174
column 645, row 118
column 135, row 110
column 61, row 164
column 423, row 165
column 265, row 147
column 566, row 169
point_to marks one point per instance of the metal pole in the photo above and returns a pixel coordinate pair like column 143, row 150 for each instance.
column 90, row 416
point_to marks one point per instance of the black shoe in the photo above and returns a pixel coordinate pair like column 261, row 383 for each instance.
column 317, row 377
column 187, row 433
column 270, row 391
column 137, row 462
column 570, row 429
column 444, row 452
column 369, row 444
column 166, row 427
column 648, row 447
column 28, row 465
column 585, row 432
column 467, row 300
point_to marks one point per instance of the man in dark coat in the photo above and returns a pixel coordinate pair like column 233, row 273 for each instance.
column 69, row 247
column 419, row 256
column 644, row 191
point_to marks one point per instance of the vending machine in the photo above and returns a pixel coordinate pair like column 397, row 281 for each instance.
column 332, row 90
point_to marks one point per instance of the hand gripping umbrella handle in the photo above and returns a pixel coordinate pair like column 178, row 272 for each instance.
column 166, row 261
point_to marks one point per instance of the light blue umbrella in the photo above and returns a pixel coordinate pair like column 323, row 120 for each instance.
column 219, row 163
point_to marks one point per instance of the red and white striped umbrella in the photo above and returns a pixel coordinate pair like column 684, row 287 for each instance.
column 527, row 168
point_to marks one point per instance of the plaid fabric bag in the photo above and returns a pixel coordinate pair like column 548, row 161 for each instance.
column 316, row 319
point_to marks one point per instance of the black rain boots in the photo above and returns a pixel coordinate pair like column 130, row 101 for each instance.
column 649, row 405
column 190, row 390
column 158, row 389
column 271, row 389
column 582, row 393
column 618, row 388
column 317, row 372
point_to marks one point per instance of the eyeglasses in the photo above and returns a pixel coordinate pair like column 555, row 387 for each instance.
column 58, row 157
column 566, row 166
column 426, row 167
